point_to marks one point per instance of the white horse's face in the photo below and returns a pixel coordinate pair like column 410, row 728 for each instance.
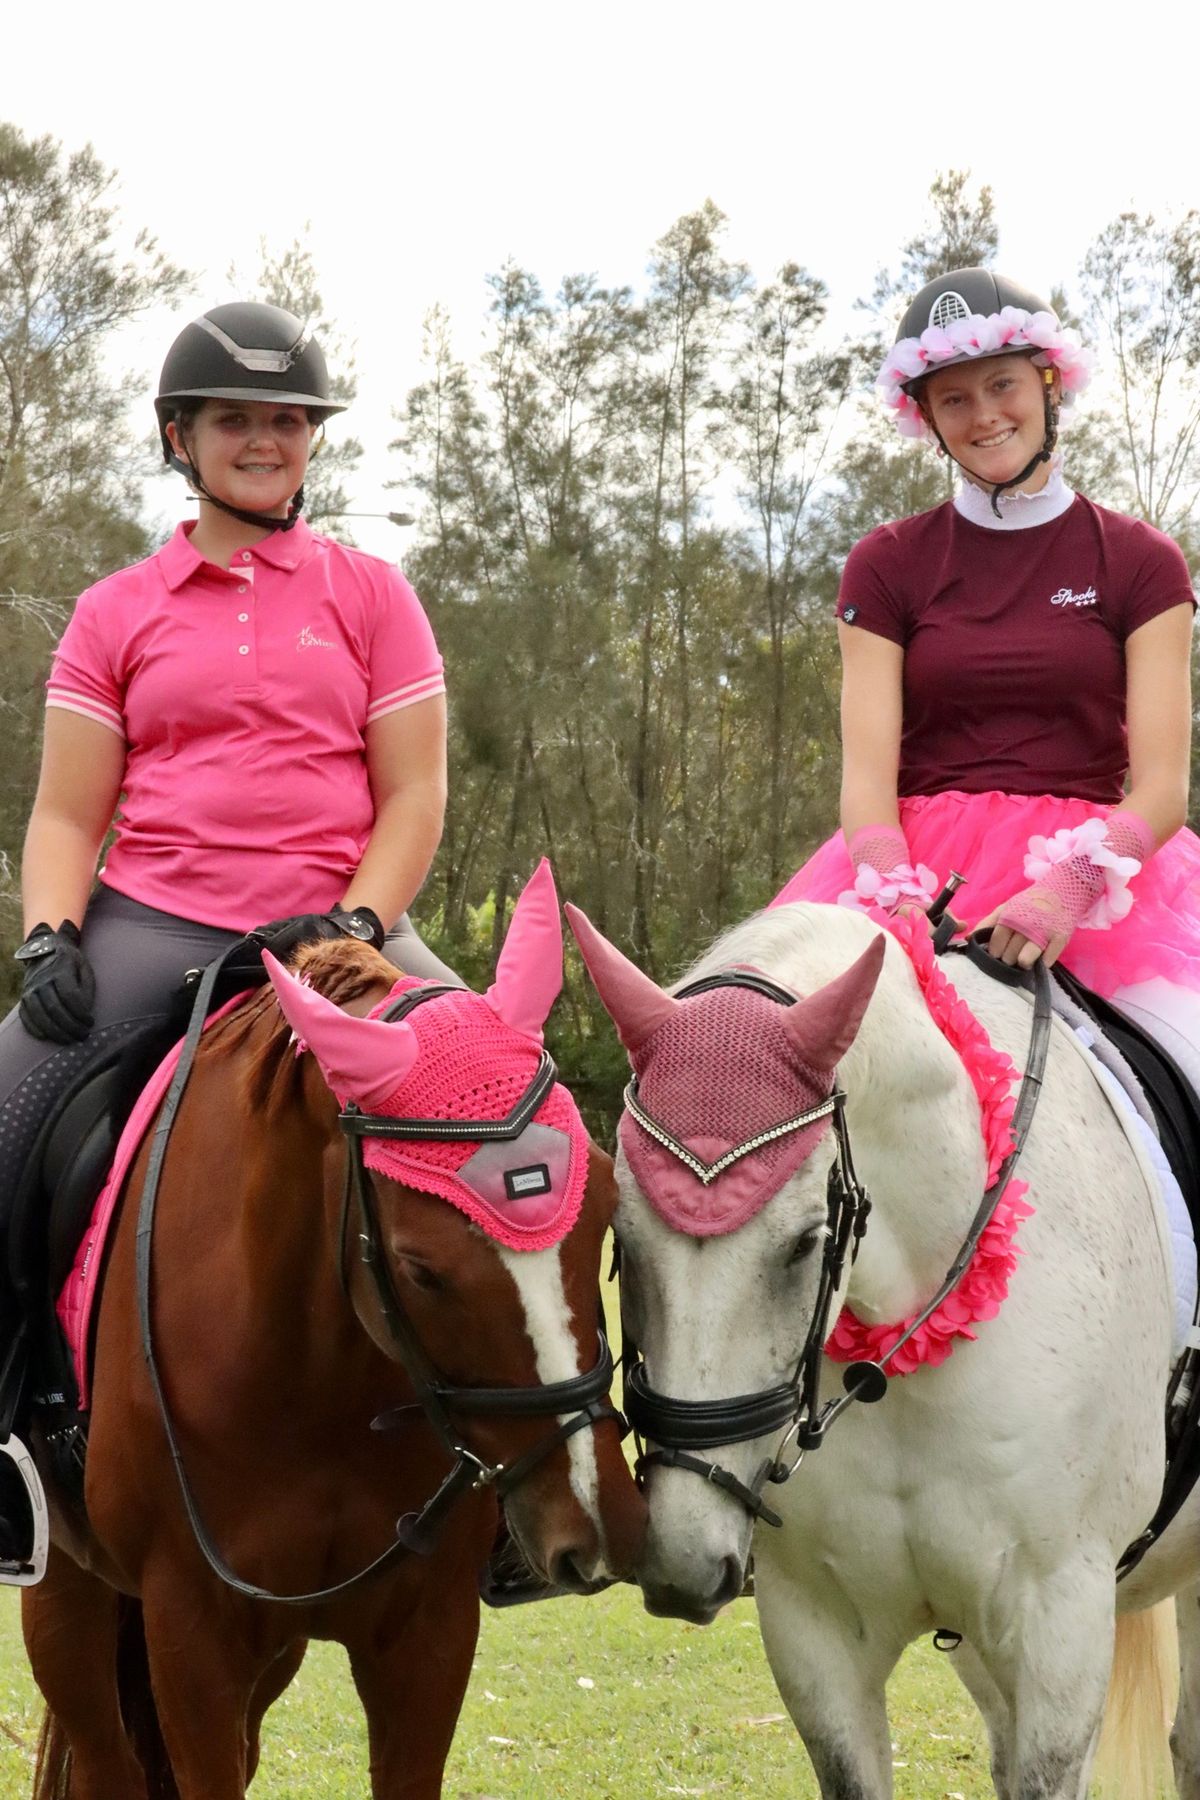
column 716, row 1317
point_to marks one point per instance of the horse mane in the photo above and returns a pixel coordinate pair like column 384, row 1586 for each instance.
column 344, row 971
column 792, row 944
column 805, row 944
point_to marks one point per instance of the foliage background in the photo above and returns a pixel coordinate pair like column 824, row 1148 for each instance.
column 635, row 509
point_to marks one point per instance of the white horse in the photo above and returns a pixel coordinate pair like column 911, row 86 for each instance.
column 991, row 1496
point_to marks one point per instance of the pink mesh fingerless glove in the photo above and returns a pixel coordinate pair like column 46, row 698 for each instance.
column 1080, row 878
column 884, row 871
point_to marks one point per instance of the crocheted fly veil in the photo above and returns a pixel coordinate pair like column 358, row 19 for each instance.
column 456, row 1056
column 731, row 1087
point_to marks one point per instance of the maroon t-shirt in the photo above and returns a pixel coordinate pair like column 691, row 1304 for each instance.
column 1014, row 643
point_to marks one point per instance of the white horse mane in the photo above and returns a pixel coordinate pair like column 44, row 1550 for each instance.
column 802, row 946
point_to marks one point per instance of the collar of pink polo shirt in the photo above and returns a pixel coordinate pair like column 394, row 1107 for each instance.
column 286, row 550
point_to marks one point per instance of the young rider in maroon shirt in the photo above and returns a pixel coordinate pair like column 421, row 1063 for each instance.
column 1015, row 680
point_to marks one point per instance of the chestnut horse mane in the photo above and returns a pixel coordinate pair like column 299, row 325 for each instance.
column 344, row 971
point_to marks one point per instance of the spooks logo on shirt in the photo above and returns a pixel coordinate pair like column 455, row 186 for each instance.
column 1068, row 597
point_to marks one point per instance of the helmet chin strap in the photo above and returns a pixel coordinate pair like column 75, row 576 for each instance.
column 1050, row 414
column 267, row 521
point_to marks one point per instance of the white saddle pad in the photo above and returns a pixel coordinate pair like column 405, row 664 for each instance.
column 1120, row 1083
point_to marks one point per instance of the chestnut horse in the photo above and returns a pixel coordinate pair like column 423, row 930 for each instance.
column 301, row 1292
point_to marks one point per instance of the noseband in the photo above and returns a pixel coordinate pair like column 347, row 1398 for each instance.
column 678, row 1428
column 583, row 1395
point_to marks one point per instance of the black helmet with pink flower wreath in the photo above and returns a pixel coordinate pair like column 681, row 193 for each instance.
column 967, row 314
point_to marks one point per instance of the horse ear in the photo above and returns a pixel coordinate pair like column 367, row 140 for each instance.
column 823, row 1026
column 529, row 969
column 361, row 1059
column 636, row 1005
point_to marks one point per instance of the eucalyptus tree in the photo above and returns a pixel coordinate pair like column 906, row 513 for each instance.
column 784, row 407
column 1141, row 309
column 72, row 457
column 673, row 457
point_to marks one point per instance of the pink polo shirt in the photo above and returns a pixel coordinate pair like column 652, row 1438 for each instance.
column 243, row 696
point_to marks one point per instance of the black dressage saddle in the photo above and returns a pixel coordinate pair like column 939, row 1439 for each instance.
column 52, row 1205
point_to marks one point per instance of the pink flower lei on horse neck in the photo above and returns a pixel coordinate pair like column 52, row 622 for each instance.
column 984, row 1285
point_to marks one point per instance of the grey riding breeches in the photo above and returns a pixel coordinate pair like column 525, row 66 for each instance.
column 140, row 957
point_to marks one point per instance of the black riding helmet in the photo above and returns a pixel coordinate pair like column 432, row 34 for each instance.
column 959, row 294
column 245, row 350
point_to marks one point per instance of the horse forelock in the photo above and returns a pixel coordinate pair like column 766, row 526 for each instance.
column 723, row 1070
column 349, row 973
column 801, row 946
column 806, row 944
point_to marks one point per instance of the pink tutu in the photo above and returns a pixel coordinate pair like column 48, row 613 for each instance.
column 986, row 838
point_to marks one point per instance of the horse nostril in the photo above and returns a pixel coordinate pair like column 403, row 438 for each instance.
column 733, row 1579
column 566, row 1571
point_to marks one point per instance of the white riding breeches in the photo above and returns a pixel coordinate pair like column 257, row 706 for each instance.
column 1171, row 1015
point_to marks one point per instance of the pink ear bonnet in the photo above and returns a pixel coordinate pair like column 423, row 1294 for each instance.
column 724, row 1075
column 461, row 1055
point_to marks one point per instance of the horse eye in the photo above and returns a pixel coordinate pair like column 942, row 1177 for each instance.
column 806, row 1243
column 421, row 1275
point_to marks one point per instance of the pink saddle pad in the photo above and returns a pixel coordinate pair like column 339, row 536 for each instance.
column 78, row 1296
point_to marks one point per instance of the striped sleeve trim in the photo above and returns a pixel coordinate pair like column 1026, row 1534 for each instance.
column 88, row 708
column 406, row 696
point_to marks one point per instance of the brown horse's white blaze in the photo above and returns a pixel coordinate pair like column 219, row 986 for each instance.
column 501, row 1144
column 571, row 1547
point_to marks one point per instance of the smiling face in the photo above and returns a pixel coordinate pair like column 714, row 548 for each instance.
column 251, row 453
column 991, row 417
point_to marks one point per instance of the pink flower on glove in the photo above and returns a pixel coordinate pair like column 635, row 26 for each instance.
column 890, row 890
column 1088, row 842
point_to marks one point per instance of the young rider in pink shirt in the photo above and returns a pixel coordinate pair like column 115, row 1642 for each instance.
column 259, row 713
column 1015, row 680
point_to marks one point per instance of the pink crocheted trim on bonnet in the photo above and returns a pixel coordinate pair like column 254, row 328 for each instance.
column 471, row 1065
column 720, row 1070
column 463, row 1056
column 984, row 1285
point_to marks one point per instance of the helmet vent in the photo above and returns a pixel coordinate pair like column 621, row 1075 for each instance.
column 948, row 307
column 259, row 361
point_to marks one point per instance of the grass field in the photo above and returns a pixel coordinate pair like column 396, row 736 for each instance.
column 580, row 1700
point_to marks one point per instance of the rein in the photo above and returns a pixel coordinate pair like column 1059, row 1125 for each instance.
column 680, row 1427
column 436, row 1397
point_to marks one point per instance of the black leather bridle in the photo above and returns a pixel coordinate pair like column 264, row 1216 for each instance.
column 678, row 1428
column 438, row 1399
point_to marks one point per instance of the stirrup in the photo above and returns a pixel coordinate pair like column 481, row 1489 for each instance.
column 28, row 1571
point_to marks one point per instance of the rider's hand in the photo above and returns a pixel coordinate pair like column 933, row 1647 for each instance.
column 1012, row 945
column 1080, row 876
column 282, row 936
column 59, row 990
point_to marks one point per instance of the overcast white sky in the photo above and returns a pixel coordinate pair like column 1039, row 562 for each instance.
column 424, row 145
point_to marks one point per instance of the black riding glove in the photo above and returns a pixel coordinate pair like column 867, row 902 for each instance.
column 60, row 988
column 282, row 936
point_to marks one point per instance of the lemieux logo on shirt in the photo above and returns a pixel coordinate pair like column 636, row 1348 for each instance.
column 1068, row 597
column 308, row 640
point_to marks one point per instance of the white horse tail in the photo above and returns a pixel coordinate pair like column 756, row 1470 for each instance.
column 1134, row 1758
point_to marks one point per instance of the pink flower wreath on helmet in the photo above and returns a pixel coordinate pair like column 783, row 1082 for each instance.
column 1054, row 346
